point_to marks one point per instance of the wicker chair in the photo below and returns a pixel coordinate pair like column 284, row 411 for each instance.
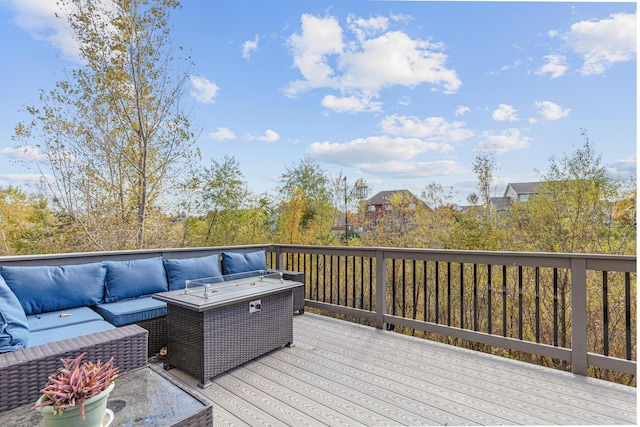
column 23, row 373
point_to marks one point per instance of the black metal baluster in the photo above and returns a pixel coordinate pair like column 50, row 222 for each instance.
column 475, row 297
column 393, row 287
column 504, row 300
column 370, row 283
column 404, row 287
column 490, row 300
column 538, row 304
column 331, row 278
column 414, row 287
column 437, row 291
column 448, row 293
column 338, row 263
column 424, row 294
column 627, row 304
column 324, row 278
column 605, row 312
column 353, row 281
column 555, row 307
column 520, row 302
column 462, row 295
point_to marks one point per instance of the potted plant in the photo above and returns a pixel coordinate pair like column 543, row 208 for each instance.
column 77, row 393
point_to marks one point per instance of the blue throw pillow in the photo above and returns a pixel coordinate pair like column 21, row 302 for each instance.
column 234, row 262
column 132, row 278
column 183, row 269
column 50, row 288
column 14, row 329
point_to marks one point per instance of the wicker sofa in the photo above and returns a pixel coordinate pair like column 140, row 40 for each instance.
column 101, row 304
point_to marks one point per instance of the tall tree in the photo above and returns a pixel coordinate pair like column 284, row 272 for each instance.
column 115, row 133
column 305, row 204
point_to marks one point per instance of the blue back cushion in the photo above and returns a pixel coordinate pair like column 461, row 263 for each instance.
column 132, row 278
column 235, row 262
column 183, row 269
column 14, row 329
column 52, row 288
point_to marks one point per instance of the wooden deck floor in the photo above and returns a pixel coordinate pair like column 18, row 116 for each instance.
column 342, row 374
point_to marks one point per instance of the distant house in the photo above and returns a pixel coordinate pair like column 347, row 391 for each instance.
column 380, row 205
column 516, row 191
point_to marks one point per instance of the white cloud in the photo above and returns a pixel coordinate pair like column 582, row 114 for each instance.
column 320, row 37
column 203, row 90
column 25, row 153
column 364, row 28
column 505, row 113
column 269, row 136
column 623, row 168
column 555, row 66
column 462, row 110
column 604, row 42
column 386, row 155
column 550, row 110
column 396, row 59
column 249, row 46
column 222, row 134
column 501, row 142
column 351, row 104
column 360, row 66
column 433, row 128
column 26, row 177
column 46, row 21
column 374, row 149
column 414, row 169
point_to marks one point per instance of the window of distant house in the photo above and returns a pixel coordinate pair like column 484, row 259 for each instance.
column 523, row 197
column 372, row 208
column 387, row 207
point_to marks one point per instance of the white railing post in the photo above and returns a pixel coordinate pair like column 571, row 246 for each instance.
column 381, row 289
column 579, row 363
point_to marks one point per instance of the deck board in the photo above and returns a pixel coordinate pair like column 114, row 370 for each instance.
column 343, row 374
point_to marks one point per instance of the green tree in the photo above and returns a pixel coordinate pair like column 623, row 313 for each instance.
column 574, row 209
column 115, row 133
column 27, row 226
column 306, row 212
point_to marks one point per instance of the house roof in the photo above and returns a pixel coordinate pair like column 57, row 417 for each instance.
column 382, row 196
column 523, row 187
column 500, row 203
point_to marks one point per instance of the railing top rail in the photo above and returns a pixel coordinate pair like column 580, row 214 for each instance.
column 548, row 259
column 626, row 263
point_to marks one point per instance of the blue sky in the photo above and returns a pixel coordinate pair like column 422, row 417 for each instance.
column 399, row 93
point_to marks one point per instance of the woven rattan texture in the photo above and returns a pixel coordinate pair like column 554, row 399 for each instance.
column 23, row 373
column 157, row 333
column 205, row 344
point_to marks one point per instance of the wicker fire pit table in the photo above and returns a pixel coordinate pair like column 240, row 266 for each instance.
column 217, row 324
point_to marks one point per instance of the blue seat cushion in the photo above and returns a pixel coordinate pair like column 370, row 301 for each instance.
column 130, row 311
column 57, row 319
column 183, row 269
column 14, row 328
column 71, row 331
column 51, row 288
column 132, row 278
column 237, row 262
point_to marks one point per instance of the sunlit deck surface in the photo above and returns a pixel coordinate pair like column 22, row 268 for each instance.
column 344, row 374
